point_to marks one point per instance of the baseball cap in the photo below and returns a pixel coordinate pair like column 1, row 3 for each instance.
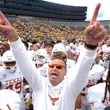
column 59, row 47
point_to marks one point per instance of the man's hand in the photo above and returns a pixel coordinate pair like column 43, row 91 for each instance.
column 95, row 32
column 6, row 29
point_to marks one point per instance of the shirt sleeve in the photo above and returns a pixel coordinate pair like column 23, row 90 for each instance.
column 25, row 63
column 81, row 70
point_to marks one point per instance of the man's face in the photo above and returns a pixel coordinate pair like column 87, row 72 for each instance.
column 49, row 49
column 56, row 71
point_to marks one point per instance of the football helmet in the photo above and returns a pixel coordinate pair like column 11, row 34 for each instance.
column 9, row 61
column 40, row 56
column 10, row 100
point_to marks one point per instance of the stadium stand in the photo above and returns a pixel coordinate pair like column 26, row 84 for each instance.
column 34, row 19
column 39, row 8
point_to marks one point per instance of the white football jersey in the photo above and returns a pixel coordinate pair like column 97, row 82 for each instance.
column 10, row 100
column 96, row 95
column 12, row 81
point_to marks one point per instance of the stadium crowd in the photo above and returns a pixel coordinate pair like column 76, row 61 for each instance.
column 39, row 27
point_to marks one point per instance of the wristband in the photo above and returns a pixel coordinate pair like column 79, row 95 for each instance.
column 91, row 47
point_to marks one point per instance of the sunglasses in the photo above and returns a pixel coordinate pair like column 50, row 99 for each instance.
column 58, row 66
column 10, row 63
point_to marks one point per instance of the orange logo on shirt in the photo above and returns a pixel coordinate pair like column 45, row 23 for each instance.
column 54, row 100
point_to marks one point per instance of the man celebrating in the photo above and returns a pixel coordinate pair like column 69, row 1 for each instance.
column 63, row 91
